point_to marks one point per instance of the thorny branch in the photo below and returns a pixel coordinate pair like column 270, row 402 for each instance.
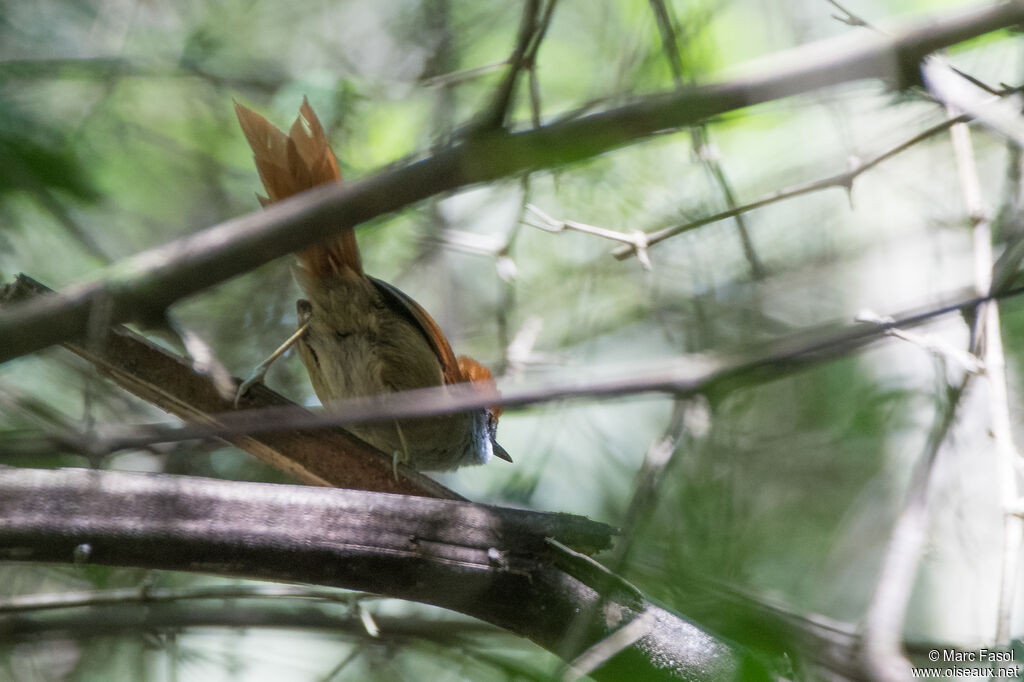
column 842, row 180
column 637, row 240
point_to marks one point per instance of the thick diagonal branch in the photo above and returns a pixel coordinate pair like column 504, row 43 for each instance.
column 495, row 564
column 330, row 457
column 147, row 284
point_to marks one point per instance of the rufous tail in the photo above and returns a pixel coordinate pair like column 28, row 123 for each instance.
column 292, row 163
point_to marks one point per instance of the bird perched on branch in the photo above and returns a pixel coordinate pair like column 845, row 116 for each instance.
column 359, row 336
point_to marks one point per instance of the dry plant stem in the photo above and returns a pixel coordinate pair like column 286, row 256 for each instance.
column 942, row 350
column 333, row 458
column 491, row 563
column 883, row 621
column 260, row 372
column 956, row 89
column 597, row 655
column 1008, row 459
column 990, row 338
column 144, row 286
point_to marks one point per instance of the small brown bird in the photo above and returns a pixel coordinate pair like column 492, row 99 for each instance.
column 359, row 336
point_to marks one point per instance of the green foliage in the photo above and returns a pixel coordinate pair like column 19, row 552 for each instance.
column 33, row 157
column 117, row 134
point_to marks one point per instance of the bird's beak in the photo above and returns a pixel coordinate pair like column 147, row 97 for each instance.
column 499, row 452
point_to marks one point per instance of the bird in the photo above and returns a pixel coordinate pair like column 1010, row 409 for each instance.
column 357, row 335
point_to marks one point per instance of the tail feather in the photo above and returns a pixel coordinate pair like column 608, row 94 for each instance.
column 292, row 163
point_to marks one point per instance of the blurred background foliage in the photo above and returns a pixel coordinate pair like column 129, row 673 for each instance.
column 117, row 134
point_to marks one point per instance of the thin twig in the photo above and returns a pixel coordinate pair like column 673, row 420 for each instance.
column 455, row 77
column 668, row 40
column 496, row 113
column 956, row 88
column 530, row 62
column 645, row 497
column 851, row 19
column 1006, row 123
column 842, row 180
column 966, row 360
column 636, row 240
column 505, row 265
column 703, row 148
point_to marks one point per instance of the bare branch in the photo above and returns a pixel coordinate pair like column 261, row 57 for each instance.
column 144, row 286
column 637, row 240
column 953, row 88
column 967, row 361
column 842, row 180
column 990, row 343
column 491, row 563
column 883, row 622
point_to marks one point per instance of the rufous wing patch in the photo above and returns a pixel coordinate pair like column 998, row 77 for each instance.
column 473, row 371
